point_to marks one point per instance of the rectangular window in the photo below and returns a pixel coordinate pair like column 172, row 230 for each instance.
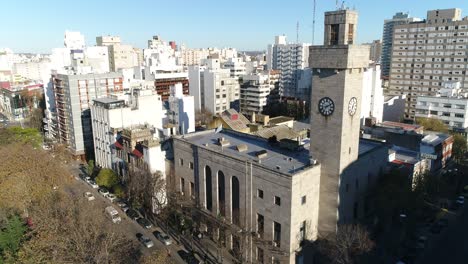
column 357, row 184
column 191, row 165
column 181, row 162
column 192, row 190
column 276, row 234
column 460, row 115
column 260, row 193
column 302, row 231
column 277, row 200
column 334, row 34
column 182, row 185
column 260, row 225
column 350, row 34
column 303, row 199
column 260, row 255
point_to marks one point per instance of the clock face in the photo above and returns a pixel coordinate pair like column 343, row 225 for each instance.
column 326, row 106
column 352, row 106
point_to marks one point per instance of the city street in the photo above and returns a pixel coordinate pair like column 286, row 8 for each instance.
column 129, row 226
column 451, row 246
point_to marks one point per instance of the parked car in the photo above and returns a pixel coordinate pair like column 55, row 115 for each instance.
column 123, row 205
column 86, row 178
column 93, row 184
column 103, row 191
column 188, row 257
column 132, row 214
column 144, row 223
column 111, row 197
column 165, row 239
column 460, row 200
column 89, row 196
column 144, row 240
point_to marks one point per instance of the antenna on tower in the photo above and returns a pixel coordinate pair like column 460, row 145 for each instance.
column 337, row 4
column 297, row 32
column 313, row 23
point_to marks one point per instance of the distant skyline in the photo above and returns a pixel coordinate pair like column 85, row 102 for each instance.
column 39, row 26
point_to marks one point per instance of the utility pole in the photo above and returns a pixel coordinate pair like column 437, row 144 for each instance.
column 313, row 22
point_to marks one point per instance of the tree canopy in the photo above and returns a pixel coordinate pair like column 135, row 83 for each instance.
column 107, row 178
column 459, row 148
column 432, row 124
column 28, row 136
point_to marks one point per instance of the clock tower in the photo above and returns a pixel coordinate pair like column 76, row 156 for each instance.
column 337, row 75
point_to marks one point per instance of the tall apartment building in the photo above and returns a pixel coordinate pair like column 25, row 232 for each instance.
column 450, row 105
column 111, row 114
column 372, row 94
column 236, row 66
column 181, row 110
column 387, row 39
column 375, row 51
column 121, row 56
column 290, row 59
column 254, row 93
column 73, row 96
column 213, row 87
column 428, row 53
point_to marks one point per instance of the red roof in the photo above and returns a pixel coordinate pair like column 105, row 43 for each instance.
column 5, row 85
column 118, row 145
column 137, row 153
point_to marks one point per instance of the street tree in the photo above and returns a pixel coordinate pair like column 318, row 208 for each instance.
column 107, row 178
column 432, row 124
column 203, row 117
column 347, row 245
column 90, row 167
column 147, row 189
column 459, row 148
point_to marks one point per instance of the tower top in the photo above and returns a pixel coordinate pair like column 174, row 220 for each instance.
column 340, row 27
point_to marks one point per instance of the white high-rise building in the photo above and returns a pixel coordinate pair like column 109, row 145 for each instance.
column 74, row 40
column 372, row 94
column 254, row 92
column 236, row 66
column 213, row 88
column 114, row 113
column 181, row 110
column 290, row 59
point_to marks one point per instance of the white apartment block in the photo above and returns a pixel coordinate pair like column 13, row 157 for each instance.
column 181, row 110
column 372, row 94
column 32, row 70
column 114, row 113
column 254, row 92
column 290, row 59
column 74, row 40
column 450, row 105
column 236, row 66
column 426, row 54
column 193, row 56
column 107, row 40
column 213, row 88
column 162, row 57
column 122, row 56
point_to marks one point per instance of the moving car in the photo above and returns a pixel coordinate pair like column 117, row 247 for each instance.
column 144, row 223
column 89, row 196
column 165, row 239
column 103, row 191
column 144, row 240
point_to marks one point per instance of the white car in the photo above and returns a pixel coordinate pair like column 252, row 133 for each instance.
column 111, row 197
column 93, row 184
column 89, row 196
column 460, row 200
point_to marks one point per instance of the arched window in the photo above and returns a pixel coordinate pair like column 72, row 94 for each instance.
column 221, row 194
column 235, row 200
column 208, row 192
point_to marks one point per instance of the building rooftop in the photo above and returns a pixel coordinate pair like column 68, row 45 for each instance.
column 252, row 148
column 366, row 146
column 236, row 121
column 107, row 100
column 280, row 119
column 406, row 127
column 434, row 139
column 281, row 131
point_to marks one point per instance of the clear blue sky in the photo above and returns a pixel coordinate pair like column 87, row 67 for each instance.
column 38, row 26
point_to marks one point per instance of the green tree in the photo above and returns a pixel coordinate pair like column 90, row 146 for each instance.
column 35, row 120
column 11, row 235
column 107, row 178
column 118, row 190
column 90, row 167
column 432, row 124
column 459, row 148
